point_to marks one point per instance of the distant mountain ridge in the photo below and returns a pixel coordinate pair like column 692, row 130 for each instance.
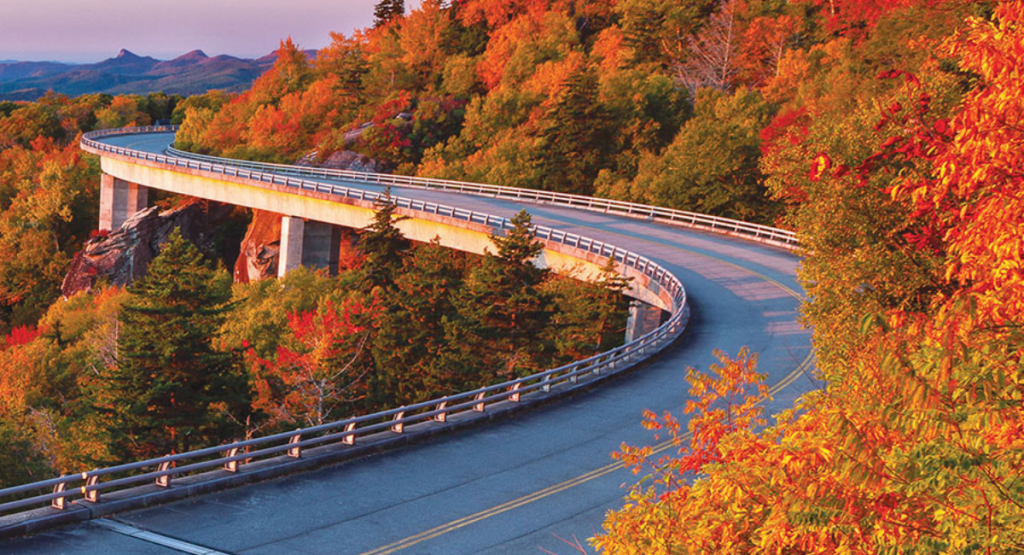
column 129, row 73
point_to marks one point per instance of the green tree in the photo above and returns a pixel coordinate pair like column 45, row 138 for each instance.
column 171, row 390
column 589, row 316
column 410, row 347
column 19, row 462
column 505, row 305
column 575, row 136
column 712, row 165
column 386, row 10
column 124, row 110
column 383, row 244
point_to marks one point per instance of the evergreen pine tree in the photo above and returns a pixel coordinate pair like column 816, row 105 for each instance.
column 383, row 244
column 171, row 390
column 577, row 137
column 589, row 317
column 505, row 306
column 20, row 462
column 386, row 10
column 410, row 346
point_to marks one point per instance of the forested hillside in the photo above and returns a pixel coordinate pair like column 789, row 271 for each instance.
column 884, row 132
column 651, row 101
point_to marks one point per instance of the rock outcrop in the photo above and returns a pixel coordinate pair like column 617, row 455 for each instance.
column 344, row 160
column 122, row 256
column 260, row 248
column 352, row 161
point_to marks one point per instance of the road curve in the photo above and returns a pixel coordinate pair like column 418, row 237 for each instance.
column 516, row 486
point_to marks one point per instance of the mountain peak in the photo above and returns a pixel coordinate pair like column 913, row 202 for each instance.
column 127, row 54
column 194, row 55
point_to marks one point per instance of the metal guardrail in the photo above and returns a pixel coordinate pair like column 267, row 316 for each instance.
column 232, row 457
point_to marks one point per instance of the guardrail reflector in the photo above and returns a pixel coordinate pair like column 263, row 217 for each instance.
column 90, row 495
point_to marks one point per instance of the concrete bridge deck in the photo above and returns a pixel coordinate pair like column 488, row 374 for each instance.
column 514, row 486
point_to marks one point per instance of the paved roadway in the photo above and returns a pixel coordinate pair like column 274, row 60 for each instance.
column 514, row 487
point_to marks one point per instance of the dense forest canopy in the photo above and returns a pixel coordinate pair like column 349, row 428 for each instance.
column 884, row 133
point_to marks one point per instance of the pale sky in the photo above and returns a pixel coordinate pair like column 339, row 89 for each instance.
column 92, row 30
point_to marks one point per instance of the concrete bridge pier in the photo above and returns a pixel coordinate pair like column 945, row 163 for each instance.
column 643, row 318
column 119, row 200
column 308, row 243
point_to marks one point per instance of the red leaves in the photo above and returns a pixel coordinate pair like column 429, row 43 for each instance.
column 891, row 141
column 318, row 368
column 910, row 78
column 789, row 126
column 20, row 336
column 390, row 109
column 43, row 144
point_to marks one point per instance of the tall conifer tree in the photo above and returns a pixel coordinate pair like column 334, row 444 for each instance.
column 386, row 10
column 507, row 308
column 171, row 390
column 383, row 244
column 410, row 346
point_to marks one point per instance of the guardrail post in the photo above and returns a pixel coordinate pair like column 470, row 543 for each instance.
column 443, row 415
column 546, row 387
column 165, row 480
column 59, row 503
column 231, row 466
column 351, row 438
column 90, row 495
column 398, row 427
column 296, row 451
column 479, row 406
column 514, row 389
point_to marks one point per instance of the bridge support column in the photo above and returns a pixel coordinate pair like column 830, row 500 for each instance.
column 308, row 243
column 643, row 318
column 119, row 200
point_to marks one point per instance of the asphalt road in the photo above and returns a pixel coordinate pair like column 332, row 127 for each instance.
column 518, row 486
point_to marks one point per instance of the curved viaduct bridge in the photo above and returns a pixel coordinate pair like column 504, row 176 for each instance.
column 502, row 486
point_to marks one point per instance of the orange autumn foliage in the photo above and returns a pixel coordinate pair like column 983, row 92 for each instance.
column 917, row 442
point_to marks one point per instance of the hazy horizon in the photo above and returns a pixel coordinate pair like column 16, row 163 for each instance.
column 82, row 32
